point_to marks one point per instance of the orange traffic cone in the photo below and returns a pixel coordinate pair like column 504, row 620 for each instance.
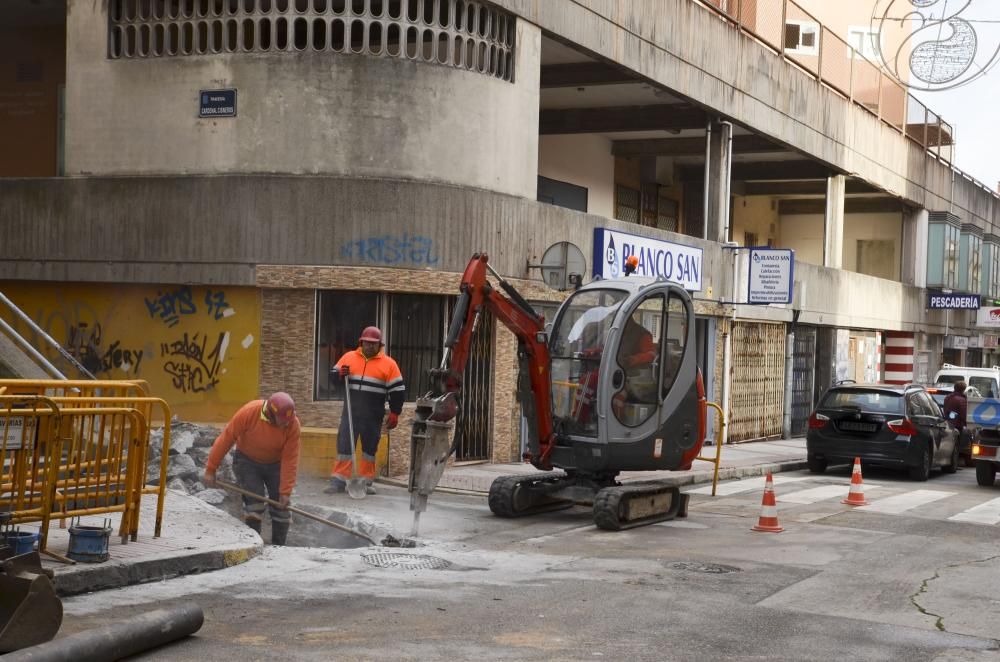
column 768, row 521
column 856, row 497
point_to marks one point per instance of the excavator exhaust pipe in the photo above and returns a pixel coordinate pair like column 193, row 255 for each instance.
column 30, row 611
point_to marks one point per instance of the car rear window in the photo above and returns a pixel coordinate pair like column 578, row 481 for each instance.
column 877, row 401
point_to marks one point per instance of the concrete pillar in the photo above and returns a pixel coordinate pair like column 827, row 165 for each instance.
column 718, row 170
column 914, row 251
column 833, row 228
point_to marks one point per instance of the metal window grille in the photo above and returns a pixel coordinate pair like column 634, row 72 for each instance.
column 464, row 34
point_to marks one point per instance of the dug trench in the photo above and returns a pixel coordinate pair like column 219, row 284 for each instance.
column 189, row 448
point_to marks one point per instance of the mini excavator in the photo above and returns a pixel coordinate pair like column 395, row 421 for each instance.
column 612, row 385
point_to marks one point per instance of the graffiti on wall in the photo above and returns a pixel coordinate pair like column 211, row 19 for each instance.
column 392, row 250
column 193, row 365
column 177, row 338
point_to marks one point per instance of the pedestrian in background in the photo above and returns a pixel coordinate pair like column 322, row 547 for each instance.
column 373, row 378
column 955, row 407
column 266, row 460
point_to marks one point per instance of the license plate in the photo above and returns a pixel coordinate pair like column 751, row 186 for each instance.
column 857, row 426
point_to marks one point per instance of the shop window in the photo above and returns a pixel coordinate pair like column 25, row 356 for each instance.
column 342, row 316
column 416, row 338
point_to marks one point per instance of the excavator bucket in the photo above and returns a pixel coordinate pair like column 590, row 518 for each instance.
column 30, row 610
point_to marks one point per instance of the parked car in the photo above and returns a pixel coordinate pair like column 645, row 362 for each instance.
column 883, row 424
column 985, row 380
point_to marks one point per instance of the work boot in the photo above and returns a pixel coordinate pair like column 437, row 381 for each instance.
column 279, row 532
column 336, row 485
column 253, row 523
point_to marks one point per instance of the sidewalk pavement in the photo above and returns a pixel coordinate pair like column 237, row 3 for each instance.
column 738, row 461
column 198, row 537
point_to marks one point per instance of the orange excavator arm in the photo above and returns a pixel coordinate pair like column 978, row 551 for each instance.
column 513, row 311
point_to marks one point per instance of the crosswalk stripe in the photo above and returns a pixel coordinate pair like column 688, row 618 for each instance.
column 738, row 486
column 984, row 513
column 902, row 502
column 818, row 494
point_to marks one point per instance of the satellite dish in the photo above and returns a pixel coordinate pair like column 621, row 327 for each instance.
column 563, row 266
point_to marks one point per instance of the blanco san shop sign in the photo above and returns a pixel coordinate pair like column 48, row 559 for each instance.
column 771, row 275
column 657, row 259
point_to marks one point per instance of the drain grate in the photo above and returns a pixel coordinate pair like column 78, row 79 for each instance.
column 708, row 568
column 405, row 561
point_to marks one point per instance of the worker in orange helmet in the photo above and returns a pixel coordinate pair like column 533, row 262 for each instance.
column 266, row 460
column 373, row 378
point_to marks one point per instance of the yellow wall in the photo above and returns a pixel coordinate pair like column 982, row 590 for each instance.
column 196, row 346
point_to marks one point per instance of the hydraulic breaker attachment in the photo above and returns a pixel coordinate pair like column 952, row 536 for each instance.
column 430, row 446
column 30, row 610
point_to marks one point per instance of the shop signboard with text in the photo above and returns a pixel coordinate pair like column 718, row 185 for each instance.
column 944, row 300
column 772, row 272
column 676, row 263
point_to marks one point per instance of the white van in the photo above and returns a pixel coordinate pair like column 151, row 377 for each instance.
column 984, row 380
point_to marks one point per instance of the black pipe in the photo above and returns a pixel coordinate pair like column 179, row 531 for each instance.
column 118, row 641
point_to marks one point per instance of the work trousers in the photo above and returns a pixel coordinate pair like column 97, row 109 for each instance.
column 263, row 480
column 367, row 426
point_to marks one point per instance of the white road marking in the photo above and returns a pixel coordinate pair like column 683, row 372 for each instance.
column 900, row 503
column 984, row 513
column 738, row 486
column 818, row 494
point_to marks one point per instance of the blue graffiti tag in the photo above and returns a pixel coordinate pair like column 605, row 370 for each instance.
column 391, row 250
column 169, row 306
column 216, row 303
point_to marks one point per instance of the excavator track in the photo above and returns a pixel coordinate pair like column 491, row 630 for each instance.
column 637, row 504
column 513, row 496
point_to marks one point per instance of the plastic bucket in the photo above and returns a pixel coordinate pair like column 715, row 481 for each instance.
column 89, row 544
column 22, row 542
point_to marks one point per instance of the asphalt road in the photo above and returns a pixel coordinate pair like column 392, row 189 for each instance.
column 913, row 576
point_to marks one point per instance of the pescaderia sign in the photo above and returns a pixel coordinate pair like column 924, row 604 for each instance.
column 676, row 263
column 942, row 301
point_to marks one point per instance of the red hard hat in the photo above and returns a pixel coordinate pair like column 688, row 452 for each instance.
column 371, row 334
column 280, row 409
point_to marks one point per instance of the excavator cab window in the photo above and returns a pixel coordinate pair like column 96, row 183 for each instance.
column 649, row 356
column 577, row 344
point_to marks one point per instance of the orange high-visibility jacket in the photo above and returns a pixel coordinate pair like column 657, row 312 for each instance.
column 260, row 441
column 373, row 381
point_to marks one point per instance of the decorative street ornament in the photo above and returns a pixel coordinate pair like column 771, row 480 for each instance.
column 943, row 51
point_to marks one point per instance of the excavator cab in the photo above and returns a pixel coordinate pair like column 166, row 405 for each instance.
column 626, row 391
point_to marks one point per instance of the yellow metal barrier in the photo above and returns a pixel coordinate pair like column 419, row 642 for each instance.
column 719, row 430
column 82, row 452
column 28, row 444
column 145, row 406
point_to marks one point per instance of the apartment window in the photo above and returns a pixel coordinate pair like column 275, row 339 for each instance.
column 653, row 209
column 865, row 43
column 994, row 283
column 951, row 249
column 342, row 316
column 416, row 338
column 802, row 37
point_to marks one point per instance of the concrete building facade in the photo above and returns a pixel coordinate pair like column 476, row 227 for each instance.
column 218, row 195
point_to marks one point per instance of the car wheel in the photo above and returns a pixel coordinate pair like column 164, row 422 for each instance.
column 952, row 466
column 922, row 471
column 816, row 465
column 986, row 473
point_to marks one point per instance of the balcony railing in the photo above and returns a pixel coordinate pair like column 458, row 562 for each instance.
column 830, row 59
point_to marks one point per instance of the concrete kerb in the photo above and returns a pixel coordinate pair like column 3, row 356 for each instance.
column 98, row 578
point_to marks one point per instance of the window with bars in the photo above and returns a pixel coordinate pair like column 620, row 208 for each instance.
column 660, row 211
column 416, row 336
column 413, row 327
